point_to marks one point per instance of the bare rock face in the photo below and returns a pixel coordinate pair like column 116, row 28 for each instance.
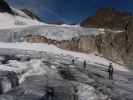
column 31, row 14
column 87, row 44
column 117, row 47
column 108, row 18
column 111, row 45
column 84, row 44
column 4, row 7
column 36, row 39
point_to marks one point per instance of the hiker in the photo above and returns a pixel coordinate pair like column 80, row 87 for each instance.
column 126, row 35
column 49, row 93
column 126, row 27
column 73, row 61
column 75, row 94
column 110, row 71
column 126, row 32
column 84, row 65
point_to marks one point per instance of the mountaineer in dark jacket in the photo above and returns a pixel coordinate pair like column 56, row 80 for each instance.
column 110, row 71
column 49, row 94
column 73, row 61
column 75, row 94
column 84, row 65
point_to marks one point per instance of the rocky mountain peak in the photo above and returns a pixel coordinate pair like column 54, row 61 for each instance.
column 4, row 7
column 108, row 18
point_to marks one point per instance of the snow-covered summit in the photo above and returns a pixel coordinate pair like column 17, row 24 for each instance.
column 10, row 21
column 12, row 18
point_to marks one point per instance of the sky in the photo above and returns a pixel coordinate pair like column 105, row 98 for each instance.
column 69, row 11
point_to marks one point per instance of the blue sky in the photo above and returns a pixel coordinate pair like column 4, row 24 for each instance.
column 70, row 11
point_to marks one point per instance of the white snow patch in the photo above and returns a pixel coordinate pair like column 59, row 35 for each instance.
column 86, row 92
column 8, row 21
column 35, row 68
column 66, row 25
column 25, row 69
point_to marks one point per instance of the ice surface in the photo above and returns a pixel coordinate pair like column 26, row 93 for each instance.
column 91, row 58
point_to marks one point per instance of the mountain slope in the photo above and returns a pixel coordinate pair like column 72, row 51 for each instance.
column 11, row 18
column 31, row 14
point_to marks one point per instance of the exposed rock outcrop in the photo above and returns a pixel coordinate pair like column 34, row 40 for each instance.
column 84, row 44
column 4, row 7
column 31, row 14
column 36, row 39
column 117, row 47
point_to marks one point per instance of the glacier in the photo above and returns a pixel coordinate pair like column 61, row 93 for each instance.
column 41, row 65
